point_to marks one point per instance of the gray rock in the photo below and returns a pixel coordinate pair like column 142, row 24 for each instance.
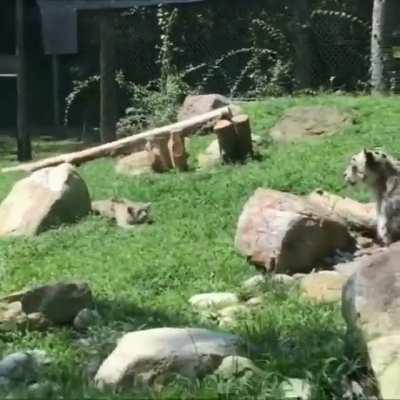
column 349, row 268
column 152, row 356
column 85, row 319
column 195, row 105
column 371, row 308
column 22, row 366
column 60, row 302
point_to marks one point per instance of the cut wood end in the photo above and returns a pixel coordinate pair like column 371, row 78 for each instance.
column 222, row 124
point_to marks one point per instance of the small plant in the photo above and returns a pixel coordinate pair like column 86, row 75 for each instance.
column 154, row 104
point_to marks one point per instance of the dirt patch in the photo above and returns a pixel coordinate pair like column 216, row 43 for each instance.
column 309, row 122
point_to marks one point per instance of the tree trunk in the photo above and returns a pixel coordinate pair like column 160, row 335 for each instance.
column 377, row 47
column 302, row 43
column 23, row 137
column 56, row 90
column 108, row 85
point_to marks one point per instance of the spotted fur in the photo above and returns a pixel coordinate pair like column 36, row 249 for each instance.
column 381, row 173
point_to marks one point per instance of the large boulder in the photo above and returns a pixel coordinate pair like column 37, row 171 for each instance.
column 152, row 356
column 307, row 122
column 285, row 233
column 48, row 198
column 371, row 309
column 195, row 105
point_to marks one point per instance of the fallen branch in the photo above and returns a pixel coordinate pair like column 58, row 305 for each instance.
column 113, row 148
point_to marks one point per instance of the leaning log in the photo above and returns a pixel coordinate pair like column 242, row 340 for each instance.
column 114, row 148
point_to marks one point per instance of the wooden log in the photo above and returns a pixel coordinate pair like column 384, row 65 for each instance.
column 359, row 216
column 177, row 151
column 285, row 233
column 227, row 140
column 118, row 146
column 243, row 132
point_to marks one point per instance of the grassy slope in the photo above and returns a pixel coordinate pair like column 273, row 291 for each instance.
column 144, row 279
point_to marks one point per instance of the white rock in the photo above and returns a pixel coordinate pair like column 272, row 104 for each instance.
column 254, row 283
column 296, row 389
column 48, row 198
column 255, row 301
column 235, row 366
column 216, row 300
column 283, row 278
column 151, row 356
column 233, row 311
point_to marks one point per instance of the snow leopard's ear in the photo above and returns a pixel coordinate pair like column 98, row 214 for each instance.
column 369, row 157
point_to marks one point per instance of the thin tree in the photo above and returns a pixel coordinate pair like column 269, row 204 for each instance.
column 377, row 46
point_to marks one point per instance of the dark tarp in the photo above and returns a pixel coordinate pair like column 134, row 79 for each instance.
column 60, row 19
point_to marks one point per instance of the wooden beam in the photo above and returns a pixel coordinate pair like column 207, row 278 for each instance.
column 108, row 86
column 119, row 146
column 23, row 137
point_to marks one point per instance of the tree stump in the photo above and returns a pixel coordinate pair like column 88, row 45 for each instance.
column 227, row 140
column 243, row 132
column 159, row 146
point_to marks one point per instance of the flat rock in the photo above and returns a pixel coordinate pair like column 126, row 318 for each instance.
column 371, row 300
column 349, row 268
column 285, row 233
column 216, row 300
column 323, row 286
column 46, row 199
column 235, row 311
column 153, row 356
column 255, row 283
column 59, row 302
column 309, row 122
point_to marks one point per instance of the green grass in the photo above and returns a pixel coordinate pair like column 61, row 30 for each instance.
column 144, row 278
